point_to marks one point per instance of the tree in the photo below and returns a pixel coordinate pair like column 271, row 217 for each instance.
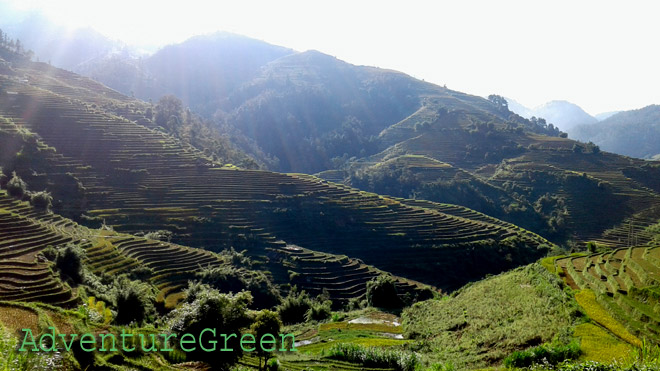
column 213, row 310
column 41, row 200
column 381, row 292
column 266, row 322
column 16, row 186
column 169, row 112
column 69, row 263
column 294, row 306
column 134, row 302
column 500, row 102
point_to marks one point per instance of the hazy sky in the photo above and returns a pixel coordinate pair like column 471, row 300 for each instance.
column 601, row 55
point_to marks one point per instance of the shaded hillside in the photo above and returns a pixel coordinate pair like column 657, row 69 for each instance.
column 308, row 110
column 312, row 112
column 551, row 185
column 633, row 133
column 202, row 71
column 139, row 179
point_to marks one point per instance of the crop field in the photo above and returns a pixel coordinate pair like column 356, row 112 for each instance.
column 622, row 285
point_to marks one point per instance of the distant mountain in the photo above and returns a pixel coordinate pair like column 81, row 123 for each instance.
column 61, row 46
column 564, row 115
column 633, row 133
column 604, row 115
column 515, row 106
column 202, row 71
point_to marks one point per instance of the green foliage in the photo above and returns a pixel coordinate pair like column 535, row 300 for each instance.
column 266, row 322
column 41, row 200
column 50, row 253
column 547, row 354
column 135, row 301
column 12, row 359
column 272, row 365
column 211, row 309
column 69, row 263
column 319, row 311
column 375, row 357
column 231, row 279
column 381, row 292
column 294, row 307
column 16, row 187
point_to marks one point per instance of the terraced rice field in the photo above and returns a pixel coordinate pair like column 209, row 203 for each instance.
column 24, row 232
column 135, row 178
column 626, row 282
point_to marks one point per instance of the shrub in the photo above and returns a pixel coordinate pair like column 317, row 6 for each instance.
column 543, row 354
column 213, row 310
column 381, row 292
column 16, row 187
column 231, row 279
column 50, row 253
column 294, row 307
column 41, row 200
column 69, row 263
column 318, row 311
column 273, row 365
column 135, row 300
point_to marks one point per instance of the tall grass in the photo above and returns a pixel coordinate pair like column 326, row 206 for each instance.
column 375, row 357
column 543, row 354
column 13, row 359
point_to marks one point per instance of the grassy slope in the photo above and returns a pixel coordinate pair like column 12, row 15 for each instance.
column 484, row 322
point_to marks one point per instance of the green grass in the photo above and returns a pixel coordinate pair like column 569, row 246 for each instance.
column 485, row 322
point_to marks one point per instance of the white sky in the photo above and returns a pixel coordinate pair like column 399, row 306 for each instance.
column 602, row 55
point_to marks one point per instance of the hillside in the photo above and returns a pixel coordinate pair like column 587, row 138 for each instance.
column 202, row 71
column 158, row 218
column 550, row 185
column 310, row 112
column 102, row 167
column 632, row 133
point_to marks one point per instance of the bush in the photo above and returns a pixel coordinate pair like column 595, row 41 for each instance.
column 543, row 354
column 50, row 253
column 381, row 292
column 273, row 365
column 69, row 263
column 41, row 200
column 319, row 311
column 213, row 310
column 294, row 307
column 231, row 279
column 135, row 301
column 16, row 187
